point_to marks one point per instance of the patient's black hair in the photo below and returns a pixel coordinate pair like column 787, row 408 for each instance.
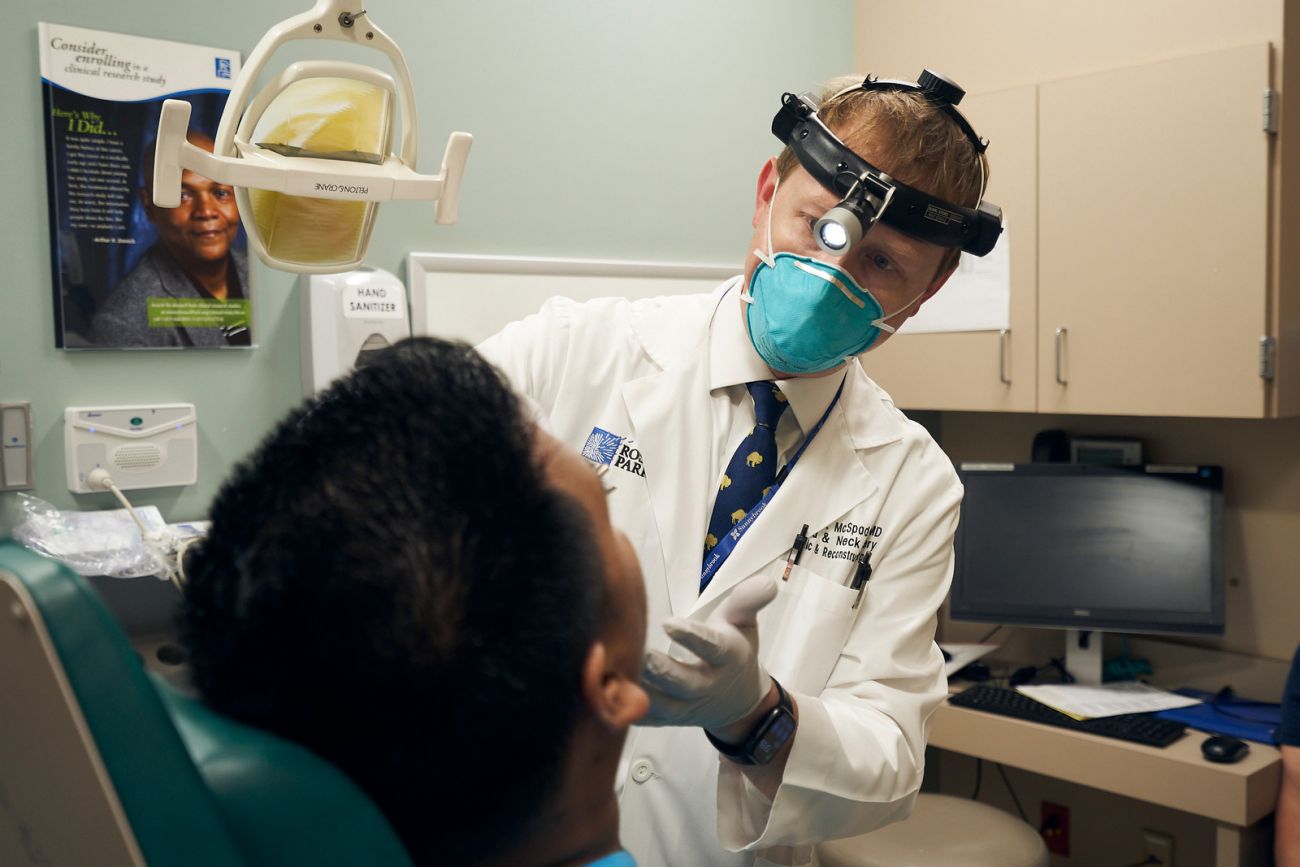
column 390, row 581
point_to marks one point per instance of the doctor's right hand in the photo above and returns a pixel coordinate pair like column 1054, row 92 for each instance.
column 727, row 682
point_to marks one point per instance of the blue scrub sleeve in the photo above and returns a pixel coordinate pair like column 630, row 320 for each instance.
column 1289, row 730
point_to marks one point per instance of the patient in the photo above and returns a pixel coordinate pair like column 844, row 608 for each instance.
column 416, row 583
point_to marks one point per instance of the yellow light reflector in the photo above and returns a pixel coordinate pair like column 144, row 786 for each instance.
column 330, row 118
column 310, row 231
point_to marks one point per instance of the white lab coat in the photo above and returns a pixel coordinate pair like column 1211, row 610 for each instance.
column 632, row 378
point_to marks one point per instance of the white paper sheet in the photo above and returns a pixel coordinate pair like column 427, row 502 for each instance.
column 976, row 298
column 1083, row 701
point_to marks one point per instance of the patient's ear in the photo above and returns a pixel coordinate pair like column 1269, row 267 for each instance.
column 615, row 699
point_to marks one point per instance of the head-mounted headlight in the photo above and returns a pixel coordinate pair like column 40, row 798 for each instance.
column 869, row 194
column 311, row 155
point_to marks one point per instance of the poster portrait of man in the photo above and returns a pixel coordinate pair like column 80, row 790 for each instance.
column 128, row 274
column 195, row 257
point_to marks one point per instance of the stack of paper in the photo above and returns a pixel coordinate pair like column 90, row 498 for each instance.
column 1083, row 701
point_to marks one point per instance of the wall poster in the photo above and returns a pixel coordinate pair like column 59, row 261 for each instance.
column 128, row 274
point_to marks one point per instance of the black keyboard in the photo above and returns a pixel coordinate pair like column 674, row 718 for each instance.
column 1140, row 728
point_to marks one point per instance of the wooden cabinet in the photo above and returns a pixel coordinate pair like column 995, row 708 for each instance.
column 1138, row 208
column 1153, row 238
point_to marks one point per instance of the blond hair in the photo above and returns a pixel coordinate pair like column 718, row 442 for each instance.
column 908, row 138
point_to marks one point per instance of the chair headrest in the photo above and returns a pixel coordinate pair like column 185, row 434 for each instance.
column 282, row 803
column 196, row 788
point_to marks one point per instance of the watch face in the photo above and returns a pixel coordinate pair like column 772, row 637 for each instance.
column 773, row 737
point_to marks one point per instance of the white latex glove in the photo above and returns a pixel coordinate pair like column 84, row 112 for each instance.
column 727, row 683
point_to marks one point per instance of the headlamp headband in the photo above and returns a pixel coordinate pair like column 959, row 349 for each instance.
column 870, row 194
column 942, row 93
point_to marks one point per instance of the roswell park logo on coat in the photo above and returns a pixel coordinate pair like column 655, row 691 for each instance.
column 603, row 447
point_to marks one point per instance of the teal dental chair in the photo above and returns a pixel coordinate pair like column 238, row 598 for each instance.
column 102, row 763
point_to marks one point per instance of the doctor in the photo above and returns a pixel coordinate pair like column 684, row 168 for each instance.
column 725, row 423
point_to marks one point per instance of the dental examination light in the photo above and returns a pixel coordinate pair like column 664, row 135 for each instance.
column 868, row 193
column 311, row 155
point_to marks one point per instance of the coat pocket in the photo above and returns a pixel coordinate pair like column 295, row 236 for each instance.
column 811, row 620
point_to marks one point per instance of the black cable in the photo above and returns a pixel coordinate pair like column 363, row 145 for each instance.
column 1011, row 791
column 1028, row 673
column 992, row 633
column 1150, row 859
column 979, row 774
column 1226, row 696
column 1058, row 663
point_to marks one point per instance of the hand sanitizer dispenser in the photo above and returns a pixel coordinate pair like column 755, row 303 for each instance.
column 343, row 317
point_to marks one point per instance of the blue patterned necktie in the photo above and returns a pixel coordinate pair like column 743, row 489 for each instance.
column 752, row 468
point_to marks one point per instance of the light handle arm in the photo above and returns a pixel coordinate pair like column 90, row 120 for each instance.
column 326, row 179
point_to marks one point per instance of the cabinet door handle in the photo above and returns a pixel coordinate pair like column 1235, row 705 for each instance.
column 1060, row 340
column 1003, row 336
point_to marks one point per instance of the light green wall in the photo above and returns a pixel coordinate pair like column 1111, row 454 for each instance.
column 603, row 128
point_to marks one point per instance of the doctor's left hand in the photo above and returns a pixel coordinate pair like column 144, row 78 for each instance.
column 727, row 683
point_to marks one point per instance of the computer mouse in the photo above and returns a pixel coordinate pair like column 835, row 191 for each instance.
column 1224, row 749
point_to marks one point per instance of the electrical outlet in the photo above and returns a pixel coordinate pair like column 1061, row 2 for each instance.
column 1158, row 845
column 1055, row 827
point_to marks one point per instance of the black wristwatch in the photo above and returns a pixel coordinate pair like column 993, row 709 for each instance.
column 770, row 734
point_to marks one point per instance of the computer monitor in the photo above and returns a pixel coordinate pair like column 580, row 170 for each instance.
column 1087, row 547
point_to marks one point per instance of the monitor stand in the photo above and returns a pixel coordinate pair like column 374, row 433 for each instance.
column 1083, row 655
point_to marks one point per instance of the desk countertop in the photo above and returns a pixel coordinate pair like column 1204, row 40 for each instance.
column 1176, row 776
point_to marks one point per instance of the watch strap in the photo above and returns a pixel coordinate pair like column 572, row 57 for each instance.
column 768, row 736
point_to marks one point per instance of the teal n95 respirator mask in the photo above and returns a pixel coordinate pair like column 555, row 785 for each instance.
column 806, row 315
column 312, row 155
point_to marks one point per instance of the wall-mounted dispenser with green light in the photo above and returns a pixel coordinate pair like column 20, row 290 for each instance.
column 141, row 446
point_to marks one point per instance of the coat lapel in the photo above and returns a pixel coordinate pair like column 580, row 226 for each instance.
column 673, row 426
